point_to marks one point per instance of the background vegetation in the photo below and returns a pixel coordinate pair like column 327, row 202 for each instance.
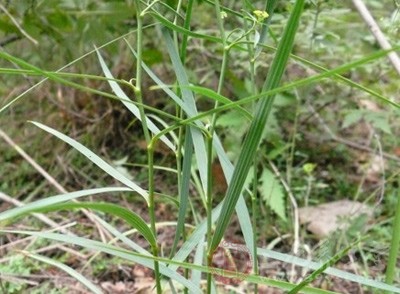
column 331, row 140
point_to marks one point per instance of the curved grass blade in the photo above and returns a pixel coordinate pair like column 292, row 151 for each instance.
column 95, row 159
column 73, row 273
column 188, row 100
column 39, row 204
column 319, row 271
column 145, row 260
column 125, row 100
column 257, row 126
column 14, row 100
column 184, row 189
column 134, row 220
column 198, row 141
column 182, row 30
column 148, row 262
column 330, row 271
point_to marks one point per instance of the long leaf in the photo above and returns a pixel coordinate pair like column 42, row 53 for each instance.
column 39, row 204
column 252, row 140
column 266, row 253
column 148, row 262
column 188, row 99
column 125, row 100
column 134, row 220
column 95, row 159
column 73, row 273
column 145, row 260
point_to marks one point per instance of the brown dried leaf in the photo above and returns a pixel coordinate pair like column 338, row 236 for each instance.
column 326, row 218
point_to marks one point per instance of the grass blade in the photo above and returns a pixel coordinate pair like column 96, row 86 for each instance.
column 145, row 260
column 257, row 126
column 330, row 271
column 39, row 204
column 95, row 159
column 148, row 262
column 130, row 217
column 125, row 100
column 188, row 99
column 320, row 270
column 73, row 273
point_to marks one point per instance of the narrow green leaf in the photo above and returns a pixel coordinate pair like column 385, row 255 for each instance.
column 73, row 273
column 182, row 30
column 39, row 204
column 95, row 159
column 323, row 267
column 266, row 253
column 148, row 262
column 257, row 126
column 125, row 100
column 145, row 260
column 129, row 216
column 188, row 99
column 272, row 193
column 184, row 189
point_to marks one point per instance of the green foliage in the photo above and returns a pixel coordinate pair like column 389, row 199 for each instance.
column 198, row 90
column 272, row 192
column 17, row 265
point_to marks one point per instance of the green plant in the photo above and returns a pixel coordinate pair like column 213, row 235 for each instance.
column 192, row 136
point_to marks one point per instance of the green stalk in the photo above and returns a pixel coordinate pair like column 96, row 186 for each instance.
column 150, row 155
column 210, row 139
column 394, row 246
column 209, row 199
column 186, row 25
column 254, row 212
column 138, row 86
column 150, row 147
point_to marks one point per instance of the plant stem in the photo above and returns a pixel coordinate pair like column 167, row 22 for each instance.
column 186, row 25
column 394, row 246
column 138, row 86
column 150, row 155
column 150, row 147
column 210, row 139
column 209, row 204
column 254, row 90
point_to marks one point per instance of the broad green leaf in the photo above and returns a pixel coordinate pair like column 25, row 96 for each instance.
column 73, row 273
column 95, row 159
column 379, row 120
column 272, row 193
column 352, row 117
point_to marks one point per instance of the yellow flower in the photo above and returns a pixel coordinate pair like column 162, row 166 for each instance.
column 260, row 15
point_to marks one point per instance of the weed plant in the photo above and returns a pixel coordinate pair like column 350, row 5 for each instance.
column 191, row 133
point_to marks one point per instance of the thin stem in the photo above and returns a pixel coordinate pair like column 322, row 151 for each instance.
column 394, row 246
column 150, row 148
column 254, row 212
column 186, row 25
column 210, row 139
column 150, row 153
column 138, row 86
column 209, row 204
column 254, row 203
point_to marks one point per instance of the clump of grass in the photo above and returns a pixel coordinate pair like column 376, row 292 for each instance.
column 191, row 134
